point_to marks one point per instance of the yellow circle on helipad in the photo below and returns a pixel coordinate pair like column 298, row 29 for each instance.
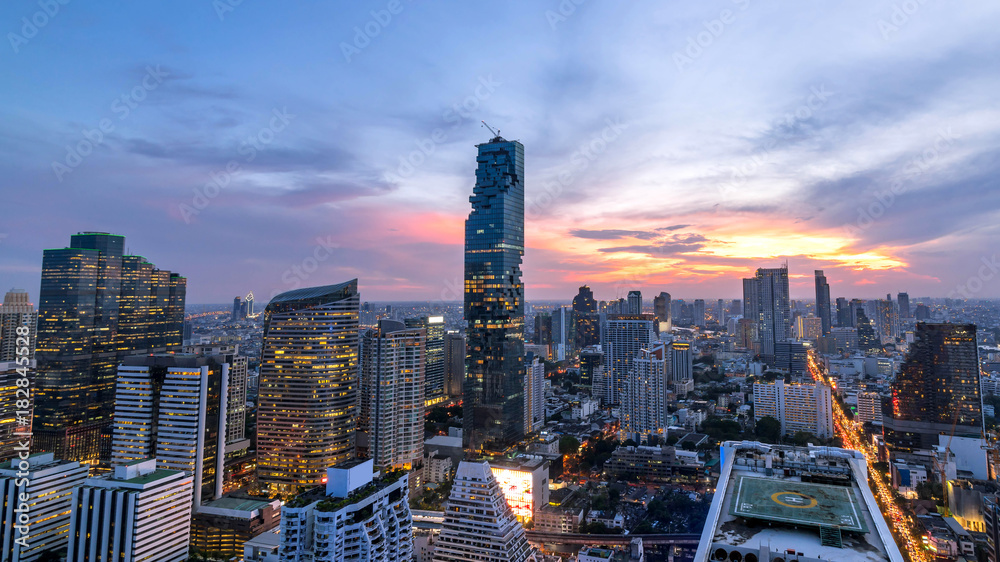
column 793, row 499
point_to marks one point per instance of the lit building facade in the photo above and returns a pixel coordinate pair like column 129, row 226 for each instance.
column 937, row 389
column 308, row 388
column 622, row 336
column 766, row 302
column 17, row 312
column 134, row 513
column 434, row 368
column 49, row 485
column 391, row 415
column 588, row 321
column 799, row 407
column 96, row 306
column 644, row 404
column 358, row 515
column 478, row 523
column 534, row 395
column 524, row 482
column 823, row 303
column 494, row 299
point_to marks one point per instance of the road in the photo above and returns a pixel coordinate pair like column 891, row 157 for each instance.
column 853, row 437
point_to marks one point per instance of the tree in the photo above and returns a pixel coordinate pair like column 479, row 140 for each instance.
column 768, row 429
column 802, row 438
column 568, row 445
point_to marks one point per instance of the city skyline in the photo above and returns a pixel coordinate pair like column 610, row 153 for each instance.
column 635, row 119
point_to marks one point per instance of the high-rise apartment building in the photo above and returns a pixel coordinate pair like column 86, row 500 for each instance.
column 823, row 303
column 534, row 395
column 681, row 368
column 136, row 512
column 937, row 390
column 308, row 389
column 766, row 302
column 17, row 312
column 662, row 311
column 494, row 298
column 478, row 522
column 592, row 369
column 543, row 329
column 563, row 332
column 175, row 408
column 644, row 403
column 903, row 300
column 869, row 407
column 799, row 407
column 622, row 336
column 588, row 320
column 454, row 364
column 359, row 515
column 391, row 414
column 47, row 486
column 433, row 326
column 96, row 306
column 15, row 408
column 699, row 313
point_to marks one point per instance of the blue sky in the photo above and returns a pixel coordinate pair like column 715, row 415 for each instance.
column 669, row 146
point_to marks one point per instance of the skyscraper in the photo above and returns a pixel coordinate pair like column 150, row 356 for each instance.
column 391, row 418
column 16, row 311
column 634, row 303
column 622, row 337
column 766, row 302
column 661, row 309
column 534, row 395
column 903, row 300
column 563, row 332
column 937, row 389
column 644, row 402
column 174, row 408
column 433, row 326
column 588, row 322
column 699, row 313
column 96, row 306
column 454, row 361
column 237, row 307
column 844, row 317
column 478, row 522
column 494, row 298
column 249, row 301
column 823, row 302
column 308, row 389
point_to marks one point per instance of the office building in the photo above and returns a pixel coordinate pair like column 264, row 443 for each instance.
column 15, row 408
column 869, row 407
column 96, row 306
column 798, row 407
column 808, row 328
column 681, row 368
column 249, row 304
column 661, row 309
column 543, row 329
column 845, row 338
column 903, row 300
column 237, row 309
column 634, row 301
column 223, row 526
column 868, row 338
column 886, row 319
column 563, row 332
column 644, row 403
column 766, row 302
column 175, row 408
column 791, row 357
column 308, row 389
column 391, row 414
column 478, row 523
column 136, row 512
column 434, row 356
column 534, row 395
column 592, row 368
column 359, row 515
column 494, row 299
column 699, row 313
column 588, row 320
column 17, row 312
column 622, row 336
column 845, row 319
column 814, row 502
column 454, row 364
column 653, row 463
column 48, row 484
column 823, row 303
column 937, row 390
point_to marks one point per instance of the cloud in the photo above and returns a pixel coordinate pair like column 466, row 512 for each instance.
column 612, row 234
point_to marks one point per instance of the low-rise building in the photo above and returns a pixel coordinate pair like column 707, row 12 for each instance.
column 437, row 467
column 563, row 514
column 224, row 525
column 652, row 463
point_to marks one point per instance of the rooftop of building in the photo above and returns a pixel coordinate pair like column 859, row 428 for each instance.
column 808, row 500
column 329, row 503
column 238, row 504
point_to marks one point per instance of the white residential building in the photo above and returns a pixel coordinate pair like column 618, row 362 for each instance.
column 135, row 513
column 478, row 523
column 49, row 485
column 360, row 515
column 869, row 407
column 799, row 407
column 534, row 396
column 644, row 403
column 621, row 339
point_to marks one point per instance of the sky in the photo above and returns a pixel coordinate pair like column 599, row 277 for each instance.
column 669, row 146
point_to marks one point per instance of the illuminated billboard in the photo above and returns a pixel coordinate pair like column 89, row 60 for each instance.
column 517, row 490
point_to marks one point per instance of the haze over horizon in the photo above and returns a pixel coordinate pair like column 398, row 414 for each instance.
column 668, row 147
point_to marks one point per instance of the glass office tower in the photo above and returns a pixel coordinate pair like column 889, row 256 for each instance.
column 494, row 298
column 96, row 306
column 308, row 390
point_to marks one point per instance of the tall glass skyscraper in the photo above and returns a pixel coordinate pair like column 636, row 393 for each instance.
column 937, row 390
column 96, row 306
column 823, row 302
column 494, row 298
column 308, row 391
column 766, row 303
column 434, row 356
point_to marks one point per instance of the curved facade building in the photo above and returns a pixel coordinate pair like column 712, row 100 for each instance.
column 308, row 388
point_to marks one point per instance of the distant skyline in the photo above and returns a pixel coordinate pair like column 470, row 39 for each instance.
column 668, row 146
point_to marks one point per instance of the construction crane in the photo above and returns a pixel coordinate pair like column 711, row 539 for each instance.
column 496, row 133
